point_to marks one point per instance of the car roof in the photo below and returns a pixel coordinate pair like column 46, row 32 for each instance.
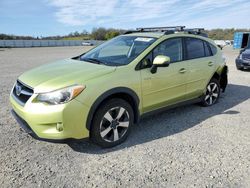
column 161, row 34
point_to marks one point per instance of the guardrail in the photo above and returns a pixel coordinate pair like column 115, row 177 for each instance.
column 44, row 43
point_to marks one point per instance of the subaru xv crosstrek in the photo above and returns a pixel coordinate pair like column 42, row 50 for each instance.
column 102, row 93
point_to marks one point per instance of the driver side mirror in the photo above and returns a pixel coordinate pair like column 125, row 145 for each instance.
column 160, row 61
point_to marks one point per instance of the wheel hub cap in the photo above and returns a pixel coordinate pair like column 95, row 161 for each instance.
column 114, row 124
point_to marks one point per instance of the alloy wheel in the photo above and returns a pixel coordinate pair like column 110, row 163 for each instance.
column 212, row 93
column 114, row 124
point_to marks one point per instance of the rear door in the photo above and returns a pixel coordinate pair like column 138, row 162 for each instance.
column 200, row 64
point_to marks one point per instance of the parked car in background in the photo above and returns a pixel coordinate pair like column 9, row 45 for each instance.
column 228, row 42
column 87, row 44
column 243, row 60
column 220, row 43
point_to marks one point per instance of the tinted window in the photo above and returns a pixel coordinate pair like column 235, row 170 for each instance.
column 195, row 48
column 213, row 49
column 171, row 48
column 207, row 50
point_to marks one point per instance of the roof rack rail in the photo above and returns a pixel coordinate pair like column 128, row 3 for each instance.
column 160, row 29
column 196, row 31
column 170, row 30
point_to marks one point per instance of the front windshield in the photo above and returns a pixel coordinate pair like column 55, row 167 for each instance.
column 119, row 51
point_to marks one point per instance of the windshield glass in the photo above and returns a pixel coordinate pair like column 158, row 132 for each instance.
column 119, row 51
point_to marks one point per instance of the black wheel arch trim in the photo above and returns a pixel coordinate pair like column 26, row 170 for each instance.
column 109, row 93
column 224, row 78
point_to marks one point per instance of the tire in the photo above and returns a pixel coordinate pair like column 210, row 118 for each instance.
column 212, row 93
column 109, row 130
column 239, row 68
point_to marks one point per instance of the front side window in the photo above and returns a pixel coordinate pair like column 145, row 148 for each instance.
column 171, row 48
column 119, row 51
column 194, row 48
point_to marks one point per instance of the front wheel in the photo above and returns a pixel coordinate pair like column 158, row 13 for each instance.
column 239, row 68
column 212, row 93
column 112, row 123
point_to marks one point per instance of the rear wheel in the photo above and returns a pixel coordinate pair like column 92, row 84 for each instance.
column 112, row 123
column 212, row 93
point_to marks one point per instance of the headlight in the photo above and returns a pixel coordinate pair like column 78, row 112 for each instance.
column 240, row 56
column 60, row 96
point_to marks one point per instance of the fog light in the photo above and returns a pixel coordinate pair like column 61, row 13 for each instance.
column 59, row 127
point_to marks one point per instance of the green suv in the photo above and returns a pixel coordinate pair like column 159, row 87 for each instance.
column 102, row 93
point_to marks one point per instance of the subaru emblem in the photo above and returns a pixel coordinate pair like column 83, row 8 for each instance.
column 18, row 90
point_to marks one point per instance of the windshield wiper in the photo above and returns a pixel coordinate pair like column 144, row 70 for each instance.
column 97, row 61
column 93, row 60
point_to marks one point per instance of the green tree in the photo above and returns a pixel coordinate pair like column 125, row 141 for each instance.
column 111, row 34
column 99, row 33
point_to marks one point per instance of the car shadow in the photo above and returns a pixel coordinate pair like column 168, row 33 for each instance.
column 172, row 121
column 245, row 70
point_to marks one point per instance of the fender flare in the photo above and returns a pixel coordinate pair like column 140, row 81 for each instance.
column 224, row 78
column 106, row 95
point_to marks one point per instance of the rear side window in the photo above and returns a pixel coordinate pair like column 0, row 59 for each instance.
column 194, row 48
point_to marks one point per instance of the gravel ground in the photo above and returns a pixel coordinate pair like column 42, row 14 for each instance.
column 185, row 147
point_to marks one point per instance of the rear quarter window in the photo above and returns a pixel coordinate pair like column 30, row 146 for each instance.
column 207, row 49
column 213, row 49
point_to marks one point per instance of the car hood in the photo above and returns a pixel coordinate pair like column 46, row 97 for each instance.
column 63, row 73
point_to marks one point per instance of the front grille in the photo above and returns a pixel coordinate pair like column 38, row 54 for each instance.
column 246, row 64
column 246, row 56
column 22, row 92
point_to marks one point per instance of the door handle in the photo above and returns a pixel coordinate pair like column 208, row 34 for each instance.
column 210, row 64
column 182, row 71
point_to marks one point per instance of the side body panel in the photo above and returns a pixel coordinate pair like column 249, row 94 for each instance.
column 199, row 73
column 166, row 87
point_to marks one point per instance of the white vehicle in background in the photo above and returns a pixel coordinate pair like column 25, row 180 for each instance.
column 228, row 42
column 87, row 44
column 220, row 43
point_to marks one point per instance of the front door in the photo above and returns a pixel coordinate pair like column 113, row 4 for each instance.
column 168, row 85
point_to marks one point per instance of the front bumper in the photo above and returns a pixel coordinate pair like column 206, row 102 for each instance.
column 241, row 63
column 52, row 122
